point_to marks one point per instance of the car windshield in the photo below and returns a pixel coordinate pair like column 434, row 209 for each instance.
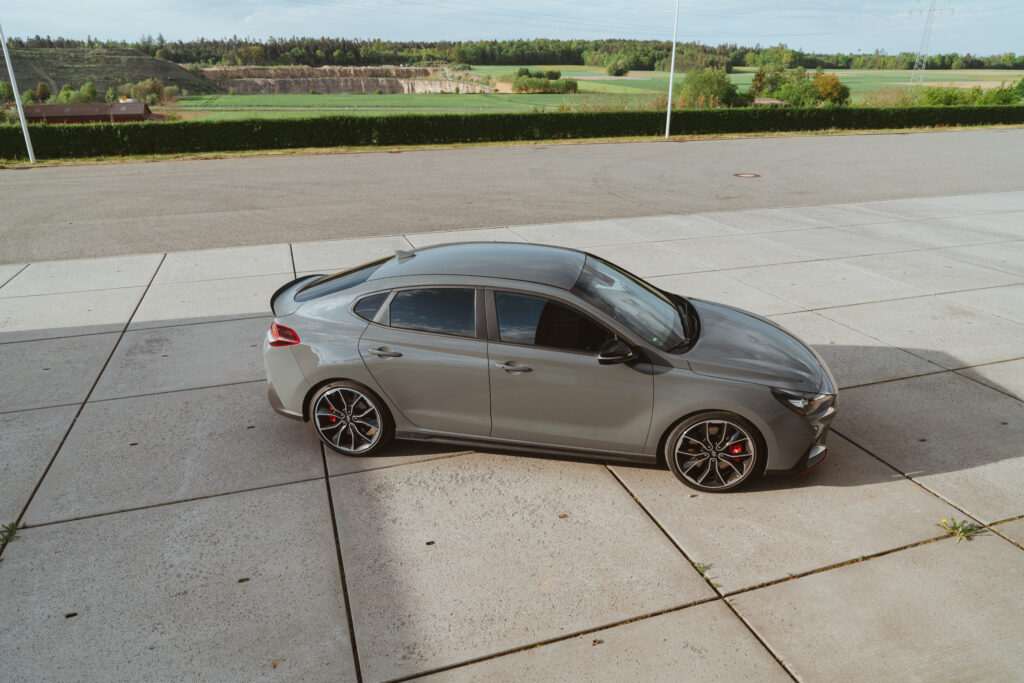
column 632, row 302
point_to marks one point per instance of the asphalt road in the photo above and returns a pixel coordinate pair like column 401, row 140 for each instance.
column 110, row 209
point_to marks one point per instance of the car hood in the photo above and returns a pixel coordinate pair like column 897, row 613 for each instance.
column 737, row 344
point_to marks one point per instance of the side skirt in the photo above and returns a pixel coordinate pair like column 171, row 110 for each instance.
column 523, row 446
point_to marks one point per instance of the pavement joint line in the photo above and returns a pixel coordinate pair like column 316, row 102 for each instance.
column 199, row 322
column 220, row 279
column 78, row 412
column 25, row 410
column 20, row 271
column 836, row 565
column 341, row 568
column 441, row 456
column 1004, row 537
column 940, row 371
column 718, row 591
column 168, row 503
column 908, row 477
column 168, row 391
column 981, row 310
column 551, row 641
column 1020, row 279
column 63, row 336
column 958, row 371
column 75, row 291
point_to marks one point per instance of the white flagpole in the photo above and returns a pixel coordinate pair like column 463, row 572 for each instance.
column 17, row 99
column 671, row 73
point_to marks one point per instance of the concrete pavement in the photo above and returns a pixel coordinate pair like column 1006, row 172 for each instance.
column 178, row 528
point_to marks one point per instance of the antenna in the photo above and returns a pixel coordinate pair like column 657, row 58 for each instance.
column 921, row 62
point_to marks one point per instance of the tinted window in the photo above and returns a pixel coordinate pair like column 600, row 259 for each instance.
column 630, row 301
column 534, row 320
column 330, row 284
column 368, row 306
column 447, row 311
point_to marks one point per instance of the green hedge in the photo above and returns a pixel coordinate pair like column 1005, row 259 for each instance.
column 102, row 139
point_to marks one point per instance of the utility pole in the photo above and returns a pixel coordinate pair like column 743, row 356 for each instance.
column 921, row 62
column 672, row 72
column 17, row 99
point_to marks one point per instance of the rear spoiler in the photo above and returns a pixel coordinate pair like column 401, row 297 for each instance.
column 287, row 303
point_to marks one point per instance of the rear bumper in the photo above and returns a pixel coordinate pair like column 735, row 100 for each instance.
column 275, row 403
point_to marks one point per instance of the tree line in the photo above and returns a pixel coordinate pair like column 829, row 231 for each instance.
column 616, row 56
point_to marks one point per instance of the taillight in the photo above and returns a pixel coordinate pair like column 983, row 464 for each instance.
column 282, row 336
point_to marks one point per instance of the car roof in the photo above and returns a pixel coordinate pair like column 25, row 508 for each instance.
column 542, row 264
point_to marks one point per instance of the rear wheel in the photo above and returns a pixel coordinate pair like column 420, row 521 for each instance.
column 715, row 451
column 350, row 419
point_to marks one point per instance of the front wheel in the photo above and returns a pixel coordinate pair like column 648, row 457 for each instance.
column 715, row 451
column 350, row 419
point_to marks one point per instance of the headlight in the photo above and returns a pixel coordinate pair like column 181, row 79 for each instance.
column 803, row 403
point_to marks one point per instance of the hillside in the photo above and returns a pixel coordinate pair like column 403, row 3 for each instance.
column 104, row 67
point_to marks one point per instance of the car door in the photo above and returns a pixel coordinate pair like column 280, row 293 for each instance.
column 425, row 352
column 547, row 386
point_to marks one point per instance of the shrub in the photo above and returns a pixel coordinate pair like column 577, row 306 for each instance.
column 1003, row 95
column 709, row 88
column 42, row 92
column 28, row 97
column 378, row 91
column 6, row 92
column 69, row 95
column 105, row 139
column 532, row 84
column 1020, row 89
column 617, row 67
column 830, row 89
column 170, row 94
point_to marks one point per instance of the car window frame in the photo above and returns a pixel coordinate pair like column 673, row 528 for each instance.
column 383, row 317
column 387, row 300
column 494, row 329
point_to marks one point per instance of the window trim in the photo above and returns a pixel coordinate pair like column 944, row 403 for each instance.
column 494, row 330
column 383, row 317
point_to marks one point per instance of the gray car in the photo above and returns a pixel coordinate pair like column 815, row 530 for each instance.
column 544, row 349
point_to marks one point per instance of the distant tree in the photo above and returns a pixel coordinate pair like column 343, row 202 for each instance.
column 1020, row 89
column 88, row 92
column 6, row 92
column 252, row 54
column 42, row 92
column 111, row 95
column 161, row 53
column 28, row 97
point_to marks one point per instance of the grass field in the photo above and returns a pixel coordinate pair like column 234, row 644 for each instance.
column 591, row 80
column 400, row 101
column 246, row 114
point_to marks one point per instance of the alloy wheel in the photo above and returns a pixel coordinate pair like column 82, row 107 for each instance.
column 714, row 454
column 348, row 419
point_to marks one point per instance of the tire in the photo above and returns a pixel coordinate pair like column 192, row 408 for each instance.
column 350, row 419
column 714, row 451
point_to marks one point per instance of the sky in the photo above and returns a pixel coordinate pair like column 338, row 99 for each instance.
column 980, row 27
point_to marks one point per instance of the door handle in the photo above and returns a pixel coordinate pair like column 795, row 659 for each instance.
column 513, row 366
column 384, row 352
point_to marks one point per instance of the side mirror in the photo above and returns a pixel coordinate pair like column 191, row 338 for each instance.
column 615, row 351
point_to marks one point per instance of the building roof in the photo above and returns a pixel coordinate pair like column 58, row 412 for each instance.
column 87, row 110
column 553, row 266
